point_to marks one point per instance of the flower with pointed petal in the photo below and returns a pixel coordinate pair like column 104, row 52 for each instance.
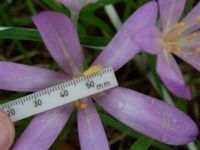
column 145, row 114
column 75, row 5
column 180, row 38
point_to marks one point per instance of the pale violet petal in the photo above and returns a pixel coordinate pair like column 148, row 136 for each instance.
column 122, row 48
column 61, row 40
column 18, row 77
column 149, row 116
column 171, row 75
column 191, row 20
column 75, row 5
column 170, row 12
column 91, row 133
column 43, row 130
column 149, row 39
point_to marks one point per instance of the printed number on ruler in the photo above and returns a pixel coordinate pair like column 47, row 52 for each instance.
column 60, row 94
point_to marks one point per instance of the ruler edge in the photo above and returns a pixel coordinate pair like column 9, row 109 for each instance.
column 31, row 96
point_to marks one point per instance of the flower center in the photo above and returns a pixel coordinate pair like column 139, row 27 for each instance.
column 81, row 104
column 177, row 40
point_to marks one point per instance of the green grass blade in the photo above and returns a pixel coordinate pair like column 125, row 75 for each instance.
column 143, row 143
column 98, row 4
column 20, row 34
column 31, row 6
column 55, row 7
column 98, row 22
column 33, row 35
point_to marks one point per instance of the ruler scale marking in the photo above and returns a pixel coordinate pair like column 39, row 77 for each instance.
column 60, row 94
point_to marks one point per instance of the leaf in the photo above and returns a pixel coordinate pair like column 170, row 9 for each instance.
column 98, row 22
column 128, row 9
column 20, row 34
column 99, row 4
column 143, row 143
column 33, row 35
column 55, row 7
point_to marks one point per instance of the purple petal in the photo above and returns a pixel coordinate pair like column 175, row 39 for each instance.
column 188, row 46
column 171, row 75
column 43, row 129
column 192, row 60
column 188, row 53
column 122, row 48
column 149, row 116
column 91, row 133
column 190, row 19
column 170, row 12
column 60, row 38
column 149, row 39
column 76, row 5
column 18, row 77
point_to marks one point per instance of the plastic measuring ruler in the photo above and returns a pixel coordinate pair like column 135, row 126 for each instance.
column 60, row 94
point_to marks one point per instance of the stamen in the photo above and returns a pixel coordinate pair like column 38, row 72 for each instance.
column 92, row 70
column 80, row 105
column 172, row 36
column 89, row 71
column 179, row 25
column 175, row 48
column 77, row 103
column 198, row 19
column 192, row 36
column 196, row 51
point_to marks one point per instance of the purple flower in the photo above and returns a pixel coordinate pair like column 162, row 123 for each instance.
column 178, row 38
column 145, row 114
column 75, row 5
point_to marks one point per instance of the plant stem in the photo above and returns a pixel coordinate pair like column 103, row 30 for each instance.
column 113, row 16
column 74, row 18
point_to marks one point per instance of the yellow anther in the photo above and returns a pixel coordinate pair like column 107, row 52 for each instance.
column 80, row 105
column 192, row 36
column 179, row 25
column 196, row 51
column 77, row 103
column 175, row 48
column 89, row 71
column 198, row 19
column 92, row 70
column 172, row 36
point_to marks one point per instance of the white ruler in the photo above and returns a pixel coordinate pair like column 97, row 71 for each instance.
column 60, row 94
